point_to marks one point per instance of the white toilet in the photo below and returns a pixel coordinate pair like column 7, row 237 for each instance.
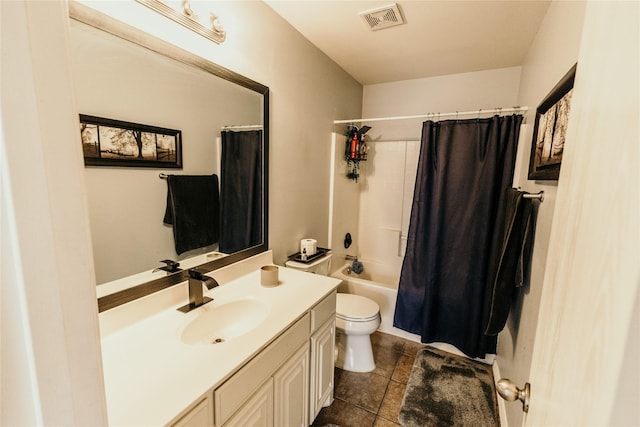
column 357, row 318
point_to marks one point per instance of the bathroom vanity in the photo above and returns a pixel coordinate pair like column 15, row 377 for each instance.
column 253, row 354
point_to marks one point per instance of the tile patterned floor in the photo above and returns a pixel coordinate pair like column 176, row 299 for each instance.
column 372, row 399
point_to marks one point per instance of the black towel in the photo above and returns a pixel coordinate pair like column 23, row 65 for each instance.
column 516, row 239
column 193, row 208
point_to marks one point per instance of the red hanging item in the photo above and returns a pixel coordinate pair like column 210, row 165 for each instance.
column 353, row 154
column 355, row 150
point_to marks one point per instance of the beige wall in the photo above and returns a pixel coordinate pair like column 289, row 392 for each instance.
column 51, row 363
column 552, row 53
column 344, row 206
column 308, row 92
column 54, row 320
column 456, row 92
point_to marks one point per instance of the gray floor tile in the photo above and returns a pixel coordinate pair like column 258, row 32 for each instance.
column 392, row 401
column 381, row 422
column 380, row 339
column 386, row 359
column 403, row 368
column 343, row 414
column 359, row 397
column 365, row 390
column 412, row 347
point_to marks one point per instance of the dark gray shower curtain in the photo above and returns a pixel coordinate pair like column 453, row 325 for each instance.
column 241, row 190
column 464, row 168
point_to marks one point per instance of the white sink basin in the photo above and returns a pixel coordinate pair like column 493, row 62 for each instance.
column 225, row 322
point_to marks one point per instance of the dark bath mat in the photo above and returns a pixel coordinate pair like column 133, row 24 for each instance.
column 449, row 390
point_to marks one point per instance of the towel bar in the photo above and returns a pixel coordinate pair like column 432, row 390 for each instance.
column 539, row 196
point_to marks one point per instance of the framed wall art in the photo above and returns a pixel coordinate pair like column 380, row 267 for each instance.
column 107, row 142
column 550, row 129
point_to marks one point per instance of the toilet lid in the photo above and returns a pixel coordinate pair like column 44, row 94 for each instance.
column 355, row 307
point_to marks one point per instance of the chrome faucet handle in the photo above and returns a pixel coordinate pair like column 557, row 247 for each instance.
column 170, row 267
column 197, row 273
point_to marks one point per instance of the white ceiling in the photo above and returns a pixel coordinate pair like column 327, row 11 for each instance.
column 438, row 38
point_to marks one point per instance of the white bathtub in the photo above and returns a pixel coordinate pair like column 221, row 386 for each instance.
column 379, row 284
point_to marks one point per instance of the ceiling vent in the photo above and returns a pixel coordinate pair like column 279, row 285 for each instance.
column 382, row 17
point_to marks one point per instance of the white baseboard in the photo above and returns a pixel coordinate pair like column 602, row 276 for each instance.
column 502, row 410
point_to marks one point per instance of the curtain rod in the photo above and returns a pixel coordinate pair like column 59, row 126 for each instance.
column 246, row 127
column 438, row 115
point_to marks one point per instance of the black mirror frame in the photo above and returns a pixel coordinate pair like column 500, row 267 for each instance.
column 105, row 23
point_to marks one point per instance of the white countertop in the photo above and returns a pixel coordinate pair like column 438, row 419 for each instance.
column 151, row 375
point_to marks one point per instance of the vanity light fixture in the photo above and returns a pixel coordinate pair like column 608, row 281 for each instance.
column 187, row 17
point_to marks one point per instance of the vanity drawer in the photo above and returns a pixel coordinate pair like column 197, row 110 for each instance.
column 322, row 311
column 237, row 389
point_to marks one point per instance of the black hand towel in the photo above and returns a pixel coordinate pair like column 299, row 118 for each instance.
column 193, row 208
column 516, row 240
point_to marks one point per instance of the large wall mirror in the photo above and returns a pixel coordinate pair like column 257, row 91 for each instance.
column 123, row 74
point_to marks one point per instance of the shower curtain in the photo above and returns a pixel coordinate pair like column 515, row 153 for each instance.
column 464, row 168
column 241, row 190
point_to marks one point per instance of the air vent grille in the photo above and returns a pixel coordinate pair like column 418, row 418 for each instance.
column 382, row 17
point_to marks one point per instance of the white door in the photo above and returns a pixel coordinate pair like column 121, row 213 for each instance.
column 592, row 275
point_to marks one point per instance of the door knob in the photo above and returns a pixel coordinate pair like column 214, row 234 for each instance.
column 510, row 392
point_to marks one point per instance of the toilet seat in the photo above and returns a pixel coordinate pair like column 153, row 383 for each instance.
column 356, row 319
column 355, row 308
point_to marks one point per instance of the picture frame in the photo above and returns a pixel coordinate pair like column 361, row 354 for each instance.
column 549, row 131
column 108, row 142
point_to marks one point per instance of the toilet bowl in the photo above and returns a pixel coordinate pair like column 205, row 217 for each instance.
column 357, row 318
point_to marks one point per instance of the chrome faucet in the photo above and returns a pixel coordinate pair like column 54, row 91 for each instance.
column 197, row 278
column 351, row 257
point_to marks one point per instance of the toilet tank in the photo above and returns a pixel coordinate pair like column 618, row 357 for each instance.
column 320, row 266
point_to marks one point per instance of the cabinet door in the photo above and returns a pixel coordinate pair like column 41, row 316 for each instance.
column 257, row 411
column 322, row 357
column 291, row 391
column 201, row 415
column 238, row 389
